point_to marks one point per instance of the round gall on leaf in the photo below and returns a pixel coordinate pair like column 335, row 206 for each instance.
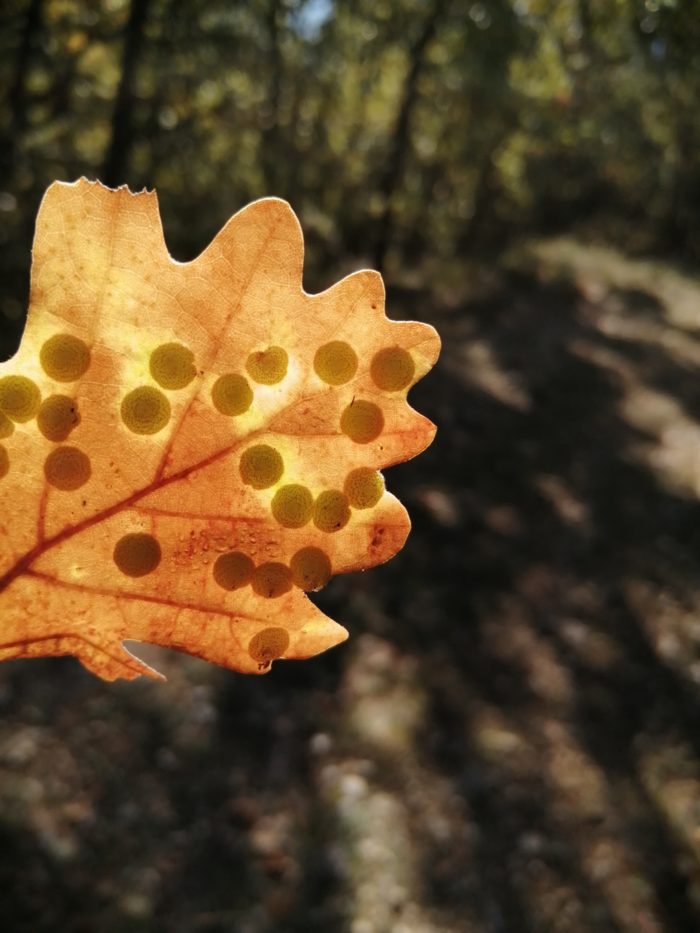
column 145, row 410
column 268, row 367
column 269, row 644
column 272, row 580
column 231, row 394
column 4, row 462
column 363, row 487
column 362, row 421
column 67, row 468
column 57, row 416
column 172, row 366
column 292, row 506
column 19, row 398
column 65, row 358
column 311, row 569
column 137, row 555
column 335, row 362
column 392, row 369
column 331, row 511
column 261, row 466
column 233, row 570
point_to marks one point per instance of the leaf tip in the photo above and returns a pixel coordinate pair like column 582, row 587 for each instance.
column 318, row 635
column 276, row 212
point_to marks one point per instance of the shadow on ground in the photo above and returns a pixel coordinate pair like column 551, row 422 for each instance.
column 541, row 628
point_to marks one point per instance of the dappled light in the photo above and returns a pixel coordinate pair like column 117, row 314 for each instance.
column 509, row 740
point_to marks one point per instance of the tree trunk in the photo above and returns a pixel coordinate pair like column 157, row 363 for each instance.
column 17, row 95
column 270, row 135
column 485, row 192
column 400, row 137
column 116, row 161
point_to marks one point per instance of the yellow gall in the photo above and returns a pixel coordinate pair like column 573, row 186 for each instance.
column 231, row 394
column 269, row 644
column 64, row 357
column 19, row 398
column 172, row 366
column 392, row 369
column 292, row 505
column 331, row 510
column 67, row 468
column 272, row 580
column 57, row 416
column 268, row 367
column 362, row 421
column 145, row 410
column 261, row 466
column 363, row 487
column 311, row 568
column 137, row 555
column 233, row 570
column 335, row 362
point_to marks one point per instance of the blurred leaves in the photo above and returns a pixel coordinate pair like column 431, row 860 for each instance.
column 527, row 115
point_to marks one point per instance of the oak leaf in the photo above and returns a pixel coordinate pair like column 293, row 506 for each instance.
column 188, row 448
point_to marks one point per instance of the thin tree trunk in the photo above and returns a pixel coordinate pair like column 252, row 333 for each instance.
column 400, row 137
column 17, row 95
column 679, row 224
column 485, row 192
column 18, row 92
column 117, row 158
column 270, row 136
column 174, row 30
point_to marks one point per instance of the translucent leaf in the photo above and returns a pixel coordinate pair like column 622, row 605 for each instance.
column 186, row 448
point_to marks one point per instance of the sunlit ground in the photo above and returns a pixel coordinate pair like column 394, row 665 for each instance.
column 511, row 738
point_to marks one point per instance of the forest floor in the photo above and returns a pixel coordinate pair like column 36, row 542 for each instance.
column 510, row 740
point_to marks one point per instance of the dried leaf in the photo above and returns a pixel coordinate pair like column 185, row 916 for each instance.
column 189, row 447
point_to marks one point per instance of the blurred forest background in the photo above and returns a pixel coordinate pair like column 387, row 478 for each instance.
column 510, row 741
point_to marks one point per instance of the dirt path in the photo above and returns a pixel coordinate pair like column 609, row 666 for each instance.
column 510, row 741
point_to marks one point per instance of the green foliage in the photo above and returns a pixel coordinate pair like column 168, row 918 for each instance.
column 427, row 125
